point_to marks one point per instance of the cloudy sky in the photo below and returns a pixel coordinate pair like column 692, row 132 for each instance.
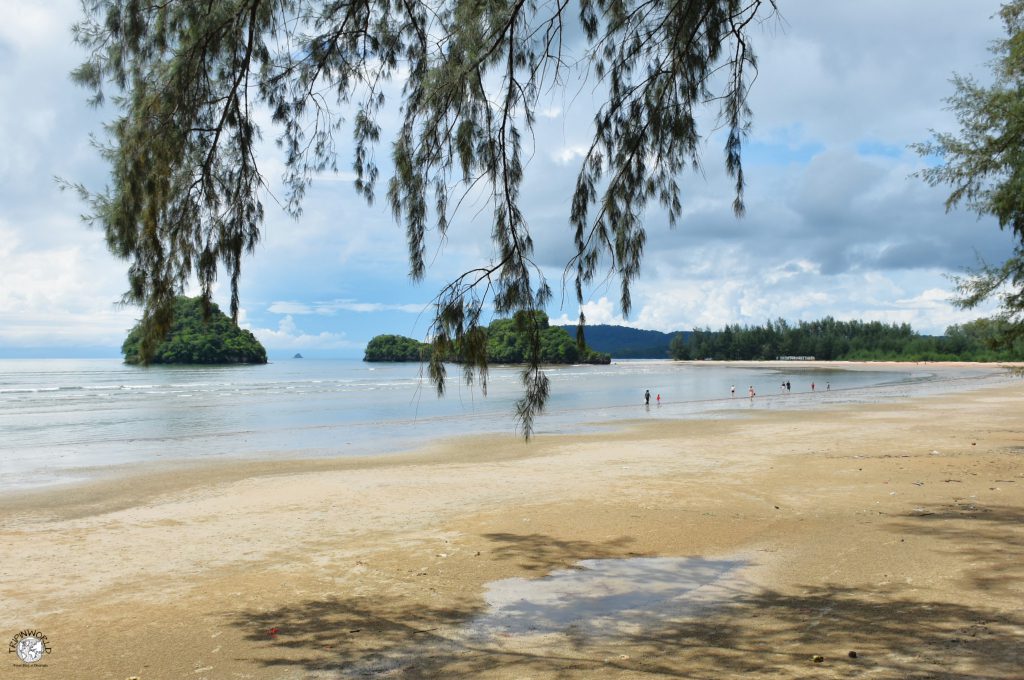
column 835, row 225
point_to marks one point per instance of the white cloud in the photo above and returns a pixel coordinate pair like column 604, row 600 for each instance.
column 291, row 308
column 789, row 270
column 597, row 312
column 27, row 25
column 567, row 154
column 931, row 296
column 334, row 306
column 871, row 69
column 43, row 301
column 341, row 176
column 288, row 336
column 719, row 300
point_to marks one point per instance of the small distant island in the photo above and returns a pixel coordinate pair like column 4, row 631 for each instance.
column 506, row 344
column 198, row 339
column 298, row 355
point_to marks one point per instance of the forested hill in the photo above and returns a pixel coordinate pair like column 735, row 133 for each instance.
column 507, row 343
column 627, row 343
column 197, row 338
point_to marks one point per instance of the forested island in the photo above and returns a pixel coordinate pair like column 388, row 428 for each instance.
column 396, row 348
column 828, row 339
column 506, row 344
column 197, row 338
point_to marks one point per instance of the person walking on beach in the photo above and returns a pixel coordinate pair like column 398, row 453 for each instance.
column 812, row 387
column 647, row 398
column 828, row 386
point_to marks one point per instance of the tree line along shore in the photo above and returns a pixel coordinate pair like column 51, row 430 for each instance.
column 983, row 340
column 827, row 339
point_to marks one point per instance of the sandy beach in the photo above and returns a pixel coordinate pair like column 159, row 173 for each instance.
column 856, row 541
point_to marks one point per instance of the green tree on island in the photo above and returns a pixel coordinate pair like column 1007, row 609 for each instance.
column 198, row 336
column 507, row 342
column 984, row 164
column 192, row 79
column 395, row 348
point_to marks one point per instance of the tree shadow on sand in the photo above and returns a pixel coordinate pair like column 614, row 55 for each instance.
column 779, row 634
column 542, row 553
column 757, row 632
column 991, row 537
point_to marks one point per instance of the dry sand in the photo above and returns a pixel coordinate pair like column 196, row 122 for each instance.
column 895, row 531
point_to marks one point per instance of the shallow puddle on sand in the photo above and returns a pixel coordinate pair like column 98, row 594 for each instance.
column 596, row 600
column 606, row 596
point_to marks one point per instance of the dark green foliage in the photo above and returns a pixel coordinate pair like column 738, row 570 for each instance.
column 984, row 340
column 396, row 348
column 507, row 342
column 829, row 339
column 984, row 165
column 199, row 335
column 679, row 347
column 193, row 78
column 628, row 343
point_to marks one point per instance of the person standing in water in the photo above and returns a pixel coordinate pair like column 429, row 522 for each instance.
column 732, row 390
column 751, row 392
column 647, row 398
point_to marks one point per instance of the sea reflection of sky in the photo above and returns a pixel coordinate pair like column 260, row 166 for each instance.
column 61, row 415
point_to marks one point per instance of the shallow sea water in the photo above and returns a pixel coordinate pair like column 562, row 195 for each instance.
column 62, row 420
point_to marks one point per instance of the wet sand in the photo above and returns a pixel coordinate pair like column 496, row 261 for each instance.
column 895, row 531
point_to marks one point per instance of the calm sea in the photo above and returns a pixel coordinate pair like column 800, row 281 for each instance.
column 65, row 419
